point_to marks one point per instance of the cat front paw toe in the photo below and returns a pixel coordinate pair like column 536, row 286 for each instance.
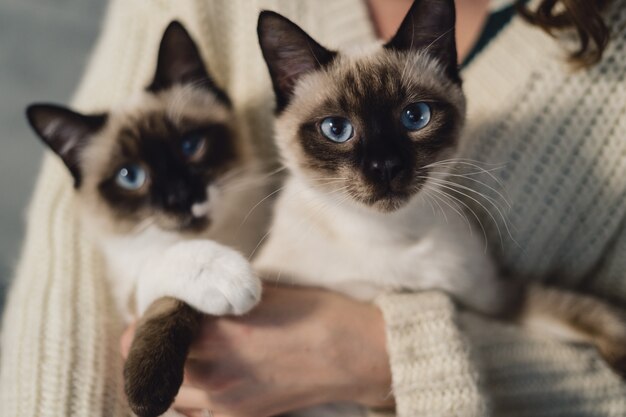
column 211, row 277
column 232, row 295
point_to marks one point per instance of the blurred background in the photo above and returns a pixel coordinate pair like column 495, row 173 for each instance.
column 44, row 46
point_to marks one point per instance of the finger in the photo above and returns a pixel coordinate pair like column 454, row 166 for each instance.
column 208, row 337
column 190, row 398
column 198, row 371
column 127, row 339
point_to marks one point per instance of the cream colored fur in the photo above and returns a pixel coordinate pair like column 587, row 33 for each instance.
column 326, row 241
column 322, row 236
column 146, row 262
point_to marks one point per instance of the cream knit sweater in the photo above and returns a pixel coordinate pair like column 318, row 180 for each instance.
column 562, row 136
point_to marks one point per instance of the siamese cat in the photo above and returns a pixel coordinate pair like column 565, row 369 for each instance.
column 361, row 133
column 160, row 180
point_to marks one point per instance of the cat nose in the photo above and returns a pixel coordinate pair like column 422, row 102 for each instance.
column 386, row 169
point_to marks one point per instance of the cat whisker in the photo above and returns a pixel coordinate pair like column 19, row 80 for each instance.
column 455, row 170
column 475, row 200
column 247, row 177
column 438, row 38
column 258, row 204
column 455, row 162
column 471, row 211
column 474, row 161
column 318, row 207
column 242, row 179
column 328, row 178
column 472, row 190
column 491, row 200
column 471, row 173
column 259, row 244
column 445, row 217
column 427, row 192
column 425, row 197
column 143, row 225
column 474, row 180
column 458, row 210
column 448, row 172
column 331, row 182
column 321, row 205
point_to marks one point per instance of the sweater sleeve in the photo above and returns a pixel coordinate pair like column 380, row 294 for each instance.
column 432, row 370
column 447, row 362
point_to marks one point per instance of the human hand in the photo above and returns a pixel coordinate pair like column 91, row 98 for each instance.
column 298, row 348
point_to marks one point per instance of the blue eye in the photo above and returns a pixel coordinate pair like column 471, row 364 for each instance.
column 193, row 145
column 337, row 129
column 131, row 177
column 416, row 116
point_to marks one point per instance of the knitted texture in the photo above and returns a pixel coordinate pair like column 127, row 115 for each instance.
column 561, row 135
column 433, row 374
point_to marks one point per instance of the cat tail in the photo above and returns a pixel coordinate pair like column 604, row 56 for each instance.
column 153, row 372
column 575, row 317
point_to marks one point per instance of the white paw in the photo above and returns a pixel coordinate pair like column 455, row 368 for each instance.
column 230, row 292
column 210, row 277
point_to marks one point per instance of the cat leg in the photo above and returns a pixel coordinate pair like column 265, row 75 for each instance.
column 188, row 279
column 578, row 318
column 153, row 371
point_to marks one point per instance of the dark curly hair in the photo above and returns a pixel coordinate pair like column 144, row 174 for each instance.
column 584, row 16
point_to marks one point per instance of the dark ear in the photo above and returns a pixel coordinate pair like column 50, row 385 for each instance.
column 179, row 62
column 289, row 53
column 429, row 25
column 65, row 132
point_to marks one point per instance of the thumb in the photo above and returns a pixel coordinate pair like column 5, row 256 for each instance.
column 127, row 339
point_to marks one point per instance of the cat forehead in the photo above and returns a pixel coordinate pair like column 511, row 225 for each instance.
column 174, row 104
column 147, row 116
column 361, row 76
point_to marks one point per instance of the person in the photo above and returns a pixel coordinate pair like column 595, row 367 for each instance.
column 558, row 126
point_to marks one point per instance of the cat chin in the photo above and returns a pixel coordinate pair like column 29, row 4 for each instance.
column 389, row 204
column 378, row 204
